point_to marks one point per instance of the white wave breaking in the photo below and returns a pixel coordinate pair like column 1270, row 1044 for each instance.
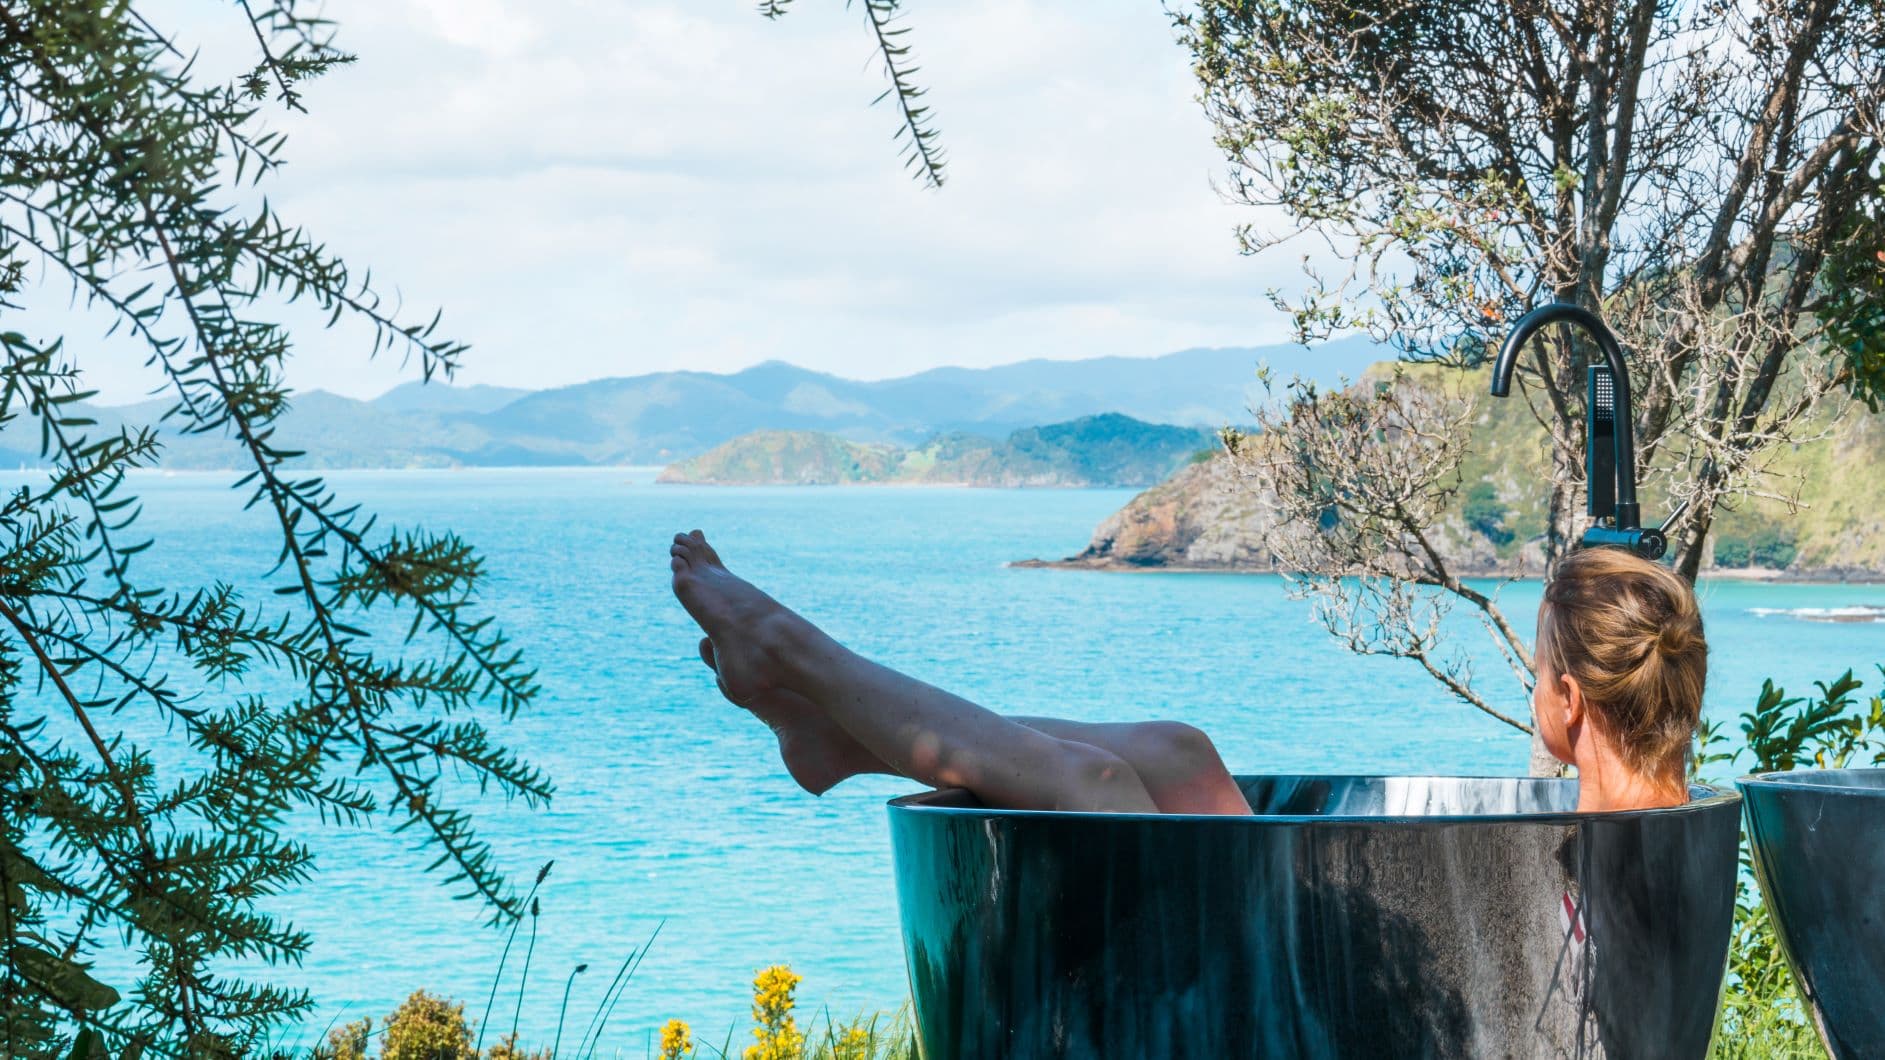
column 1853, row 613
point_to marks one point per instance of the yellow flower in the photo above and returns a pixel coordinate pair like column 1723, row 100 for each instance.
column 676, row 1040
column 853, row 1044
column 776, row 1034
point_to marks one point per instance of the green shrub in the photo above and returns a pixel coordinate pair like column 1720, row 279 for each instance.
column 348, row 1042
column 427, row 1028
column 1761, row 1013
column 1756, row 543
column 1486, row 513
column 508, row 1049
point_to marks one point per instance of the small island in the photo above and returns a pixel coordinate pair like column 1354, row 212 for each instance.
column 1110, row 449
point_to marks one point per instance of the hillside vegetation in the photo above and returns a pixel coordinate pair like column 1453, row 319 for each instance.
column 1830, row 524
column 1104, row 450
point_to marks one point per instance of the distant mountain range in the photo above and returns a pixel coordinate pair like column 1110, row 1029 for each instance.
column 1105, row 450
column 663, row 417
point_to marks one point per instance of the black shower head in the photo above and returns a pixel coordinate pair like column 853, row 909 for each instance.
column 1612, row 421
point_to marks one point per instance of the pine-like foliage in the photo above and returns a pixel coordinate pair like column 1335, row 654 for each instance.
column 130, row 177
column 916, row 131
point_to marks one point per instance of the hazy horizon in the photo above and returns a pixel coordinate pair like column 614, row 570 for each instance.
column 464, row 385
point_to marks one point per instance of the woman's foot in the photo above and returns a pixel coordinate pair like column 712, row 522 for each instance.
column 749, row 644
column 752, row 634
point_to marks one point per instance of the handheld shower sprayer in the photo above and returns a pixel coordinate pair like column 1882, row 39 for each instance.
column 1610, row 439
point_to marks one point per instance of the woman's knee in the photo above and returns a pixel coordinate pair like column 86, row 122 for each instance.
column 1099, row 780
column 1177, row 746
column 1183, row 771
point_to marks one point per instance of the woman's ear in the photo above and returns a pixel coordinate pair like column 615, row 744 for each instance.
column 1573, row 703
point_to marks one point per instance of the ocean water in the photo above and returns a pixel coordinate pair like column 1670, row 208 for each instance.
column 672, row 811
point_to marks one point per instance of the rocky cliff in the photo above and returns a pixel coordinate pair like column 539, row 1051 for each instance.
column 1207, row 517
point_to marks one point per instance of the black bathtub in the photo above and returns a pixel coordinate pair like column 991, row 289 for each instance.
column 1351, row 917
column 1819, row 853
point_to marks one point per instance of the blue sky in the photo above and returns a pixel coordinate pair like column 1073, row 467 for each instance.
column 592, row 188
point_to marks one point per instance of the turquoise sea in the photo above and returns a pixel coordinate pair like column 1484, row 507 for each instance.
column 672, row 810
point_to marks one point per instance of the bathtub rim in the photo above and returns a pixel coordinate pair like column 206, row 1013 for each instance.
column 1803, row 780
column 922, row 804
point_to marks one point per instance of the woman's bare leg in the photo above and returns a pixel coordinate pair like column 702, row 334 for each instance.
column 1177, row 763
column 918, row 730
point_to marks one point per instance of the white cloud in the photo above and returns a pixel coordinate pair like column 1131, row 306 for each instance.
column 493, row 27
column 596, row 188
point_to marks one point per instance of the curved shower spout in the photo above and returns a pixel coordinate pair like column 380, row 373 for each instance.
column 1619, row 465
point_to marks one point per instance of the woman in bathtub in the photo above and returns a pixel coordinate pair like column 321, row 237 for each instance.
column 1621, row 662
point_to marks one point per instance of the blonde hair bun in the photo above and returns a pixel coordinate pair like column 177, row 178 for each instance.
column 1630, row 632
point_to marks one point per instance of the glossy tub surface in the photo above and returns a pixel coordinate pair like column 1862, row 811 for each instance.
column 1819, row 853
column 1351, row 917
